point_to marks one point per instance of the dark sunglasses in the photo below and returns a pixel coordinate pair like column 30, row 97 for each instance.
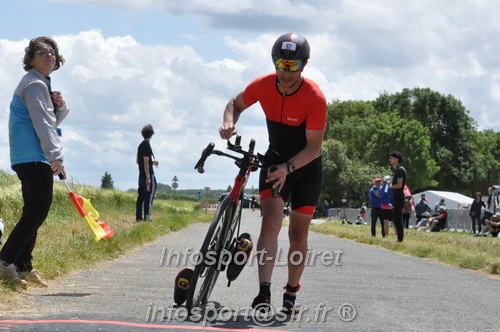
column 45, row 52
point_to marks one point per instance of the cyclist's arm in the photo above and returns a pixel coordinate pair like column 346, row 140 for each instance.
column 231, row 115
column 311, row 151
column 304, row 157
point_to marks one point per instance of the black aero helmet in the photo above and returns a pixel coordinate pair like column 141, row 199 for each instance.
column 291, row 46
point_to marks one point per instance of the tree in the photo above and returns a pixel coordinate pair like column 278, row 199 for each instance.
column 410, row 138
column 351, row 122
column 107, row 181
column 486, row 167
column 451, row 131
column 346, row 178
column 334, row 164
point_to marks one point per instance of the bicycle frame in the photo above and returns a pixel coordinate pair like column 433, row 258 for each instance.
column 226, row 223
column 236, row 195
column 248, row 163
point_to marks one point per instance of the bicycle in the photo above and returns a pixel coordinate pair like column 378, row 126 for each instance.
column 223, row 237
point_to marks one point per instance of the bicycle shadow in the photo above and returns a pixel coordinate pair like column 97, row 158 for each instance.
column 216, row 315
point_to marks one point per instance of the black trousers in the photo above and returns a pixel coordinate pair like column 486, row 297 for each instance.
column 476, row 219
column 406, row 220
column 145, row 198
column 397, row 217
column 376, row 213
column 37, row 186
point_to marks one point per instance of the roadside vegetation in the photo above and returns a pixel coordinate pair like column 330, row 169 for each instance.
column 457, row 249
column 65, row 243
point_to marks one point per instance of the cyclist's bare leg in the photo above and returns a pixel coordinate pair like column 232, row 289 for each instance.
column 267, row 245
column 297, row 233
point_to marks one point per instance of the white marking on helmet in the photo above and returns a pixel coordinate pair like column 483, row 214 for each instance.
column 289, row 46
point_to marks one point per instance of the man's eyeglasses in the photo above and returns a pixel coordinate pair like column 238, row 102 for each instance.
column 45, row 52
column 288, row 65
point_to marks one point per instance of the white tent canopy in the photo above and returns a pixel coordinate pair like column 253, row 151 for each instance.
column 451, row 200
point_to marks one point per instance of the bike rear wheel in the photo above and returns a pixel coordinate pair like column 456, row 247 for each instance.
column 208, row 265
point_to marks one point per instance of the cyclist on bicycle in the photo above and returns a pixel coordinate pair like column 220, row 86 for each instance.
column 295, row 110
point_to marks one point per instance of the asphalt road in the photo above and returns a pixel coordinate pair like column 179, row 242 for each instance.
column 346, row 286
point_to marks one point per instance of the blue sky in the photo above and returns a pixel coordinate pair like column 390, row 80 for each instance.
column 175, row 64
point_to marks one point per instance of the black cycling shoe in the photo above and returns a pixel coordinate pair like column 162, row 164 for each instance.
column 289, row 304
column 181, row 286
column 262, row 303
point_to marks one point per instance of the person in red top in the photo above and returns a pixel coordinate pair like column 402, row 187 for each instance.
column 295, row 110
column 438, row 222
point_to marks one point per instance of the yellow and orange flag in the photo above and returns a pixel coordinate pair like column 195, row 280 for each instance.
column 91, row 217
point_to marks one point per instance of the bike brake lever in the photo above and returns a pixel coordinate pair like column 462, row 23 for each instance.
column 204, row 155
column 237, row 142
column 251, row 147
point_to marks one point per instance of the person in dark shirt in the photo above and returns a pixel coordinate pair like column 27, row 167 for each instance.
column 398, row 197
column 475, row 212
column 421, row 208
column 147, row 180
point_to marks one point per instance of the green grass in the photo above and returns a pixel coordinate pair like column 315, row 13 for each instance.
column 481, row 254
column 64, row 241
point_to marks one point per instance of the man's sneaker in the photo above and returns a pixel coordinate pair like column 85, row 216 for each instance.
column 33, row 276
column 262, row 303
column 9, row 274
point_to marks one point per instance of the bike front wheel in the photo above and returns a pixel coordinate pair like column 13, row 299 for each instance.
column 208, row 264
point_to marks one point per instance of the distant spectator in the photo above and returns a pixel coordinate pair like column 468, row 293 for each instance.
column 147, row 180
column 492, row 226
column 438, row 222
column 362, row 211
column 386, row 206
column 475, row 212
column 360, row 220
column 437, row 205
column 407, row 211
column 421, row 208
column 397, row 185
column 491, row 205
column 326, row 207
column 375, row 206
column 423, row 223
column 422, row 197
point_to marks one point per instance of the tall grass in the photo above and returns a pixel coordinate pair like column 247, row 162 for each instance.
column 481, row 254
column 64, row 241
